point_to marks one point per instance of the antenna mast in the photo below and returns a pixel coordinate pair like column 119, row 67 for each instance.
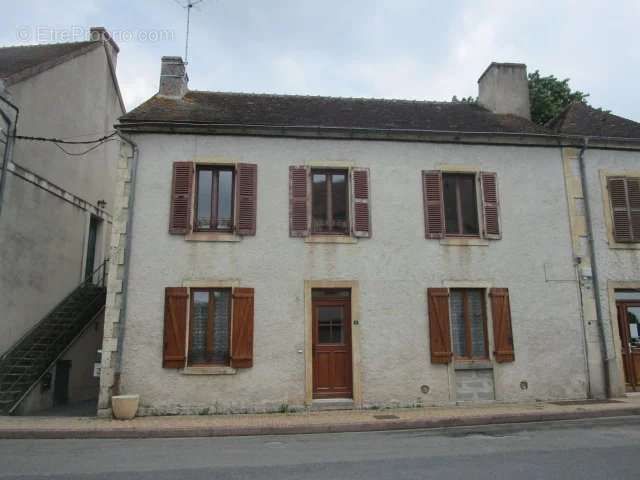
column 188, row 6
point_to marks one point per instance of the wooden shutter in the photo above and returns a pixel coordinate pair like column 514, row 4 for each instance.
column 175, row 327
column 299, row 201
column 360, row 195
column 439, row 331
column 433, row 204
column 490, row 204
column 242, row 328
column 502, row 335
column 180, row 213
column 625, row 205
column 246, row 198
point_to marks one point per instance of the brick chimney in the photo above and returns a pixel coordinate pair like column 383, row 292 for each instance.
column 100, row 34
column 504, row 88
column 173, row 78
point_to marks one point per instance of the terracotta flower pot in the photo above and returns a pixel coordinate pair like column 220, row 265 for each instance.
column 124, row 407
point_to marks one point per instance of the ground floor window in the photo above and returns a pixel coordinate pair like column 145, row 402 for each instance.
column 468, row 324
column 209, row 326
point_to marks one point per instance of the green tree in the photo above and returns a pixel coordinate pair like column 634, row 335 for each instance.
column 549, row 96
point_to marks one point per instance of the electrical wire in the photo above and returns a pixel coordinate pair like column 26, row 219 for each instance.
column 68, row 142
column 78, row 154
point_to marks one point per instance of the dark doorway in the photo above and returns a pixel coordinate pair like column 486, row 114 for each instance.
column 61, row 386
column 91, row 246
column 332, row 372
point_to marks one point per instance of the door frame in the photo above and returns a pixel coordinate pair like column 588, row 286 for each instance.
column 309, row 285
column 621, row 305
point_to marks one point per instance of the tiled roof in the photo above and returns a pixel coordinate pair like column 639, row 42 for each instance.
column 581, row 119
column 15, row 59
column 330, row 112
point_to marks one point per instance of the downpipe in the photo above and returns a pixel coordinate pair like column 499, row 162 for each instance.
column 594, row 268
column 12, row 128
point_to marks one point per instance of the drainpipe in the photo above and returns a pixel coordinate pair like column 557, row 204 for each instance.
column 594, row 267
column 12, row 128
column 127, row 256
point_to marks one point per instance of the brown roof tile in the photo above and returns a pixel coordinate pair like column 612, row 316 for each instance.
column 581, row 119
column 224, row 108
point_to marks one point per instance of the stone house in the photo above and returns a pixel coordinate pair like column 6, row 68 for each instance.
column 279, row 252
column 55, row 217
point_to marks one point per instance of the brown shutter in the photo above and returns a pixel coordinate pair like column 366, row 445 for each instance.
column 246, row 198
column 490, row 205
column 621, row 209
column 502, row 335
column 242, row 328
column 175, row 327
column 299, row 199
column 180, row 214
column 361, row 214
column 633, row 189
column 433, row 203
column 439, row 332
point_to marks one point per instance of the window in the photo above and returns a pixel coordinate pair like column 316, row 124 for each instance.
column 214, row 198
column 460, row 205
column 468, row 325
column 329, row 199
column 209, row 326
column 625, row 205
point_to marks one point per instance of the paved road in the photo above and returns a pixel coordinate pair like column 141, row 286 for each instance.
column 582, row 450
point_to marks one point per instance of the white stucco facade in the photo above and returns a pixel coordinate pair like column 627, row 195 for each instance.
column 393, row 269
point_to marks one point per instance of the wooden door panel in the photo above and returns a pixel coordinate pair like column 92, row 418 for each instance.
column 628, row 316
column 332, row 375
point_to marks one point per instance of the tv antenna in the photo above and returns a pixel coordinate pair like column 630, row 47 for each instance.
column 188, row 6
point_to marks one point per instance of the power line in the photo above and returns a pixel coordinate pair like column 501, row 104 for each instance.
column 59, row 140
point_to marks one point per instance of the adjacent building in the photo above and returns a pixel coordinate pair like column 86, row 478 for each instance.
column 274, row 252
column 55, row 216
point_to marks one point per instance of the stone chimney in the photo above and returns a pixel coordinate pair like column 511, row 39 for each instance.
column 100, row 34
column 504, row 88
column 173, row 78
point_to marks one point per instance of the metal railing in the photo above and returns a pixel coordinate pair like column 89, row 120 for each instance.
column 98, row 279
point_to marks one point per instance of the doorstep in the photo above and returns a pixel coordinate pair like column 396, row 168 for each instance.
column 328, row 404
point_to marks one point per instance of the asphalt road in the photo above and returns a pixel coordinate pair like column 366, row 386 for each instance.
column 608, row 449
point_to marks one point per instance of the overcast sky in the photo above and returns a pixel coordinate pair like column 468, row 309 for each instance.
column 414, row 49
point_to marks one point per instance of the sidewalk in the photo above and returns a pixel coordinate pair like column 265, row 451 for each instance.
column 311, row 422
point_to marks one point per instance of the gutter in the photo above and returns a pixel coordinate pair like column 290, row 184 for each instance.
column 594, row 267
column 8, row 148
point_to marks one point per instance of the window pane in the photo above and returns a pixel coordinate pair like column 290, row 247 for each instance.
column 339, row 201
column 477, row 324
column 199, row 327
column 319, row 201
column 468, row 204
column 222, row 299
column 204, row 199
column 450, row 204
column 330, row 324
column 225, row 190
column 457, row 323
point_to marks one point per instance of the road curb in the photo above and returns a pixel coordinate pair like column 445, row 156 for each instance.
column 132, row 431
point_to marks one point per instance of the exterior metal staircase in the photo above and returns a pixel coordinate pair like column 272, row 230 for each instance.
column 24, row 364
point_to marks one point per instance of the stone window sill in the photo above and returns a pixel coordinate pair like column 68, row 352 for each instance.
column 623, row 246
column 473, row 365
column 212, row 237
column 209, row 370
column 465, row 242
column 330, row 239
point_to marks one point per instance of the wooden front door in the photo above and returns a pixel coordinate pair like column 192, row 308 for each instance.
column 332, row 373
column 629, row 327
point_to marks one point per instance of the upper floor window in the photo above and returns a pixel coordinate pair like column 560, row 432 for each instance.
column 625, row 205
column 460, row 204
column 214, row 198
column 329, row 201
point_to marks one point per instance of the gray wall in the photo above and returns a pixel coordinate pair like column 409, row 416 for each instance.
column 394, row 269
column 43, row 237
